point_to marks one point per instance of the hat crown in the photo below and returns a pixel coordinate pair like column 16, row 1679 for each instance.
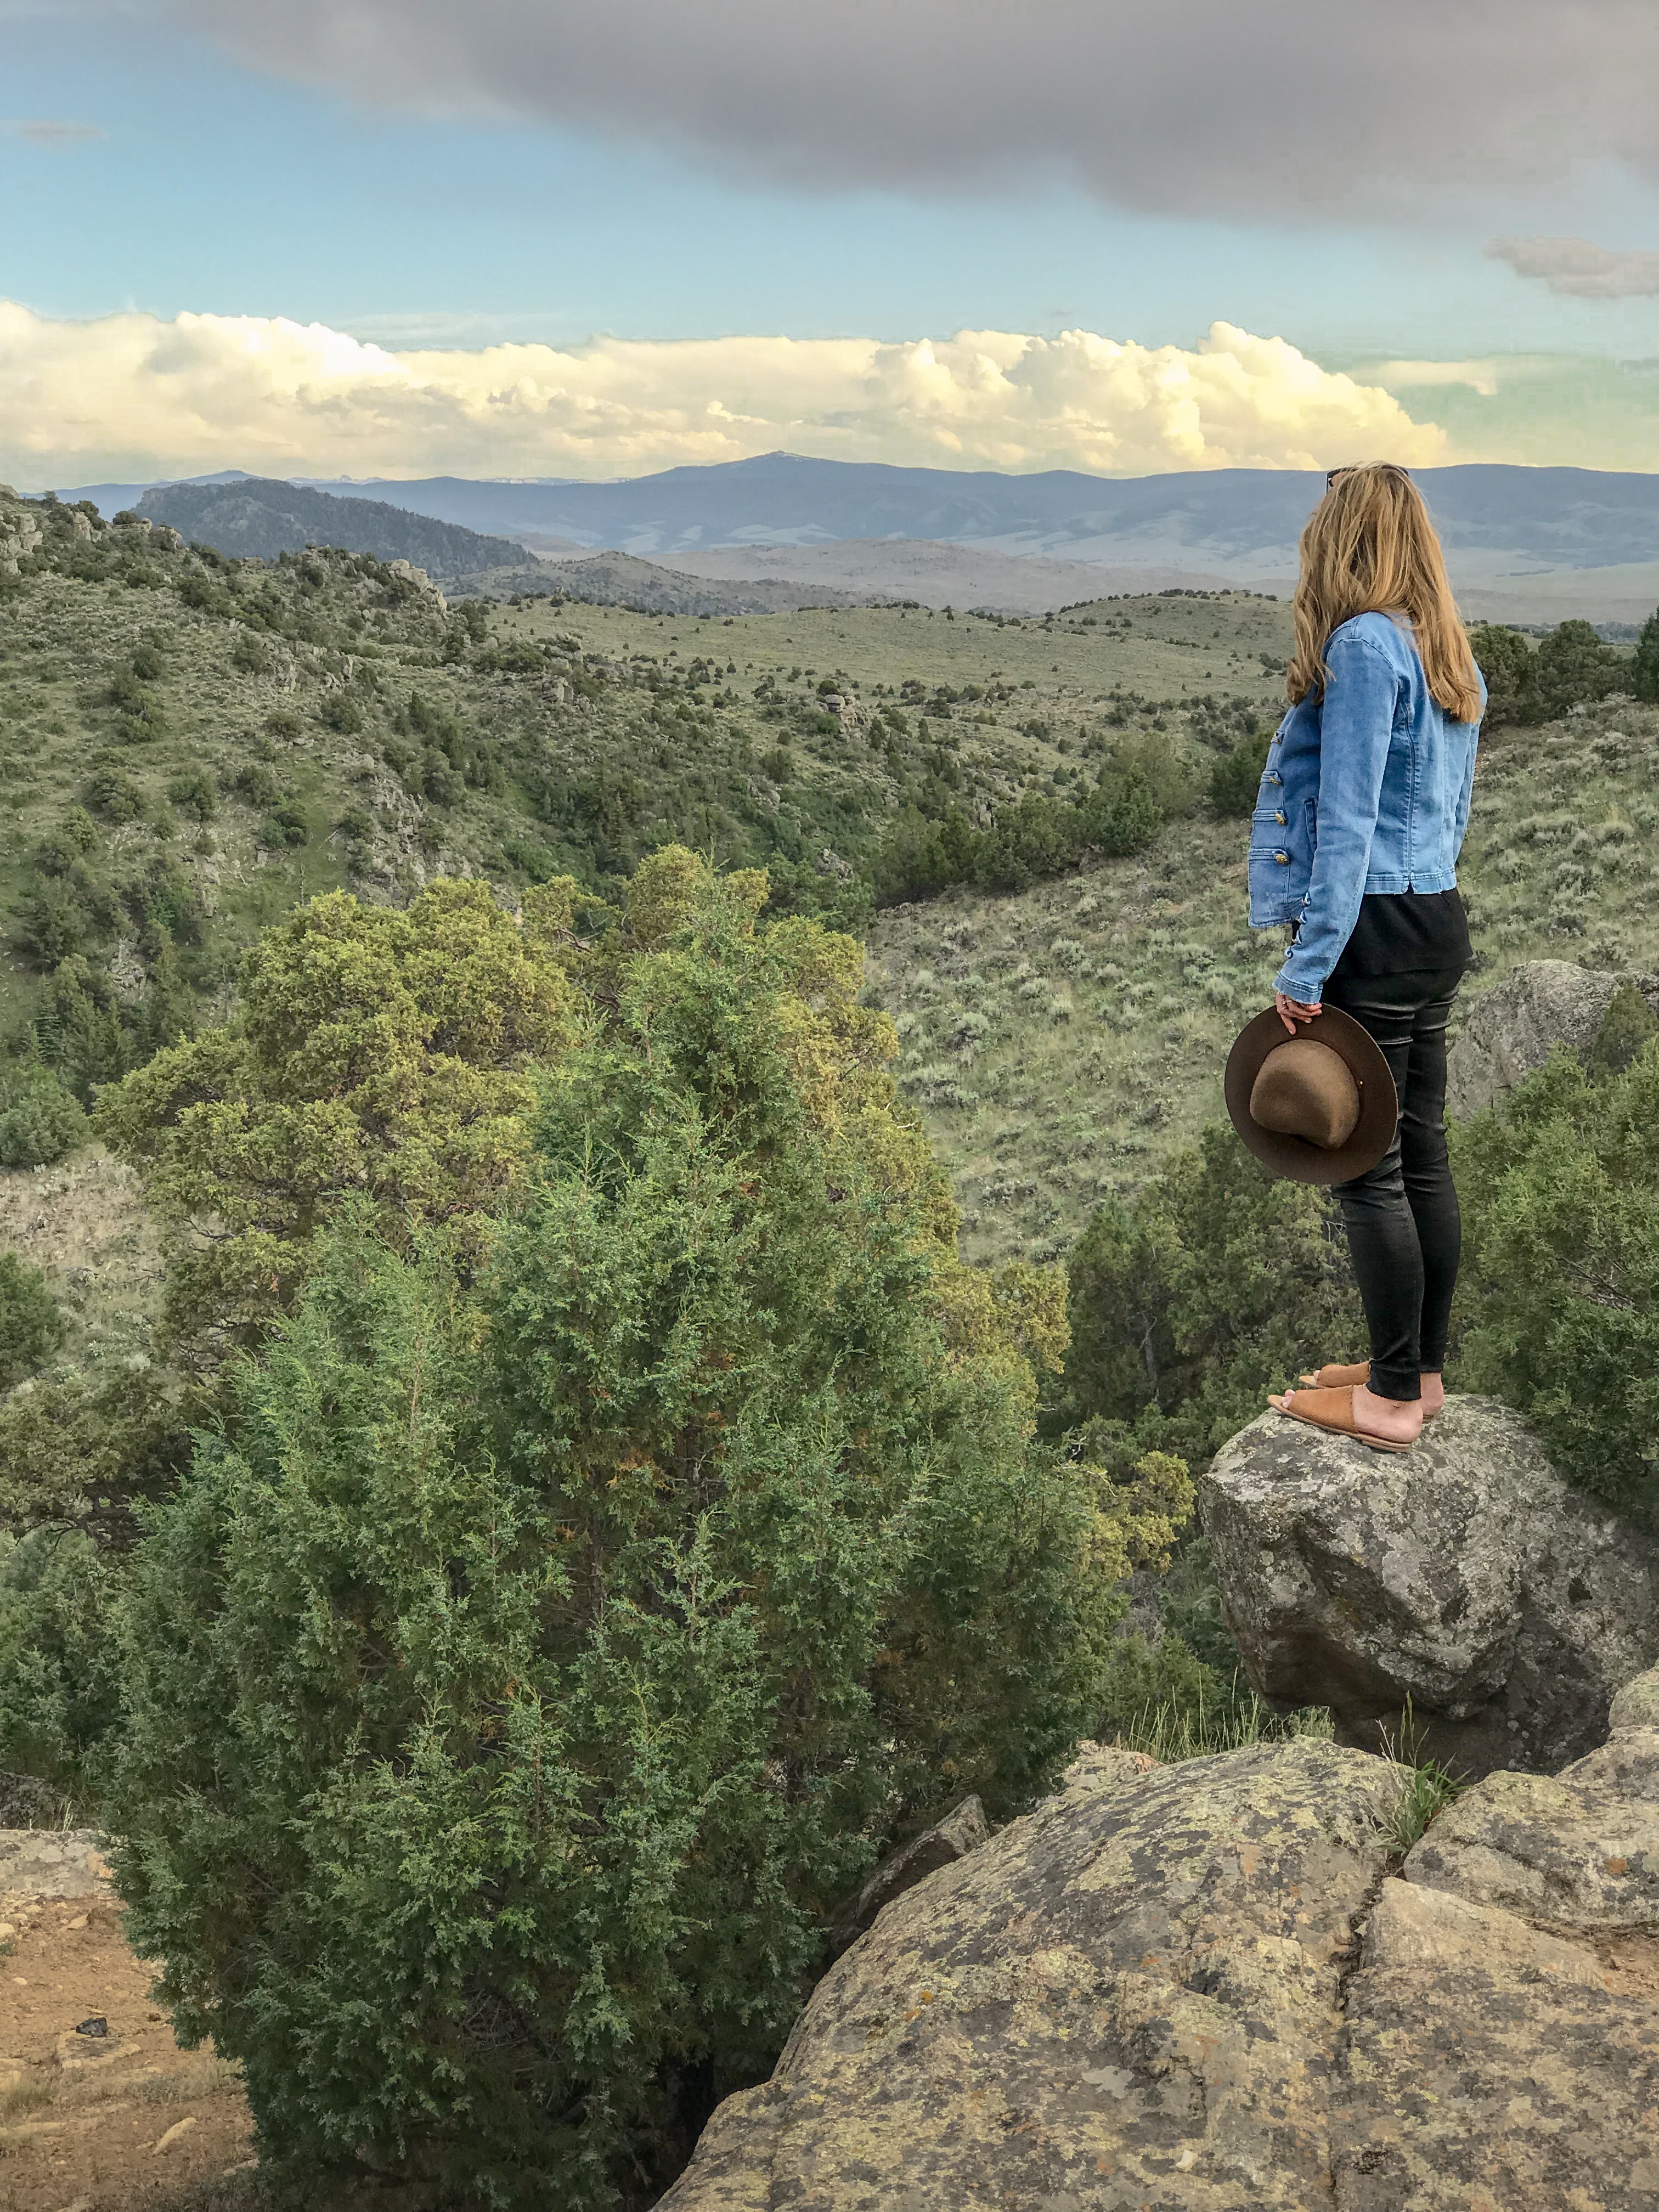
column 1304, row 1089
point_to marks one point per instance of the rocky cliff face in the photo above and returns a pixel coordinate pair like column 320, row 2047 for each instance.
column 1212, row 1987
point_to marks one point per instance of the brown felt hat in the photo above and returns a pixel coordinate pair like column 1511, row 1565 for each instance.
column 1319, row 1107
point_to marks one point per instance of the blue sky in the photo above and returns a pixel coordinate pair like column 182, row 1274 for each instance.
column 215, row 186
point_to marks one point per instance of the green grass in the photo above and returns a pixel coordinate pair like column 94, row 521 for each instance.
column 1060, row 1042
column 1177, row 1728
column 1425, row 1791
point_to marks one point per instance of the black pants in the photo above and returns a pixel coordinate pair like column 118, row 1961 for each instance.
column 1404, row 1234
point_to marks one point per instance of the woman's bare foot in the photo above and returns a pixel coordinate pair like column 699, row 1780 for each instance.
column 1398, row 1421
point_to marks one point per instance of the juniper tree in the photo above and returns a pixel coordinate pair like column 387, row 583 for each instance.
column 541, row 1658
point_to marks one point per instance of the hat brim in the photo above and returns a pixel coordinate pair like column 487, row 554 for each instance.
column 1294, row 1157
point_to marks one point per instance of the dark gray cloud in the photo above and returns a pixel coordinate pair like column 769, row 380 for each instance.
column 1574, row 265
column 1245, row 107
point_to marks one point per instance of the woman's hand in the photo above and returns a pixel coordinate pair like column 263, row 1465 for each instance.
column 1292, row 1011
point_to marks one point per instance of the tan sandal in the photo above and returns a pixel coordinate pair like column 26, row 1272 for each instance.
column 1333, row 1377
column 1333, row 1409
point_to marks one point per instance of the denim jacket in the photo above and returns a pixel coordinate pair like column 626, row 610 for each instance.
column 1366, row 790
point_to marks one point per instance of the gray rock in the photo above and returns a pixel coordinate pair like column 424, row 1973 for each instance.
column 1637, row 1705
column 1133, row 1997
column 1198, row 1988
column 1106, row 1767
column 1464, row 1575
column 1516, row 1026
column 1579, row 1849
column 1487, row 2063
column 53, row 1862
column 963, row 1829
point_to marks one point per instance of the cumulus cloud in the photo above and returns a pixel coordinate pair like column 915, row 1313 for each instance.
column 1576, row 266
column 1225, row 106
column 131, row 395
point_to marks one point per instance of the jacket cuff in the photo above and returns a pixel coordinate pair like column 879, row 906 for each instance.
column 1305, row 985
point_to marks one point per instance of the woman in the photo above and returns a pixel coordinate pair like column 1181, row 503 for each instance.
column 1357, row 827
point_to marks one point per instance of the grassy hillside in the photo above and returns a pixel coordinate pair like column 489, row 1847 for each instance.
column 187, row 745
column 1061, row 1042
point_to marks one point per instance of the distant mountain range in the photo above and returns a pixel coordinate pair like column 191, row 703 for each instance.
column 261, row 517
column 1571, row 539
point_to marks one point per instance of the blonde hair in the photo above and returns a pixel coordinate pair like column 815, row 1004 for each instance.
column 1370, row 548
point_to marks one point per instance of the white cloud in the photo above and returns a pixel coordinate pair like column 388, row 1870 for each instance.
column 1575, row 266
column 132, row 396
column 1480, row 376
column 1314, row 106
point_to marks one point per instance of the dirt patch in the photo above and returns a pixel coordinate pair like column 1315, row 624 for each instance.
column 121, row 2122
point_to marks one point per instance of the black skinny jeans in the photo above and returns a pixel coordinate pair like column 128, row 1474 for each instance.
column 1404, row 1233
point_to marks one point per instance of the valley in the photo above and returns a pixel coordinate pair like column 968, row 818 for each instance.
column 188, row 746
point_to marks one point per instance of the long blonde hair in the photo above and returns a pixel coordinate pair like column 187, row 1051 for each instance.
column 1370, row 548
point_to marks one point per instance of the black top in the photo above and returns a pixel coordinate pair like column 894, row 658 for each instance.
column 1406, row 932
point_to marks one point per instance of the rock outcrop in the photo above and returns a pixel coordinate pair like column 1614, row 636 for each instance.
column 1130, row 1997
column 1211, row 1988
column 1464, row 1576
column 1516, row 1026
column 1581, row 1847
column 963, row 1830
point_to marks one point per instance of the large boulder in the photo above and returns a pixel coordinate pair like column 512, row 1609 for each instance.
column 1202, row 1988
column 1464, row 1577
column 1130, row 1997
column 1516, row 1026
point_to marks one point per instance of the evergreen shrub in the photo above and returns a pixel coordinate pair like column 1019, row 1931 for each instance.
column 561, row 1626
column 1557, row 1304
column 40, row 1120
column 31, row 1325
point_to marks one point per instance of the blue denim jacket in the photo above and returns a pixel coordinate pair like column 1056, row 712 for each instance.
column 1365, row 790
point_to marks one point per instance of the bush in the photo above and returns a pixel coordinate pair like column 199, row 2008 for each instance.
column 520, row 1693
column 53, row 921
column 1236, row 778
column 192, row 793
column 59, row 1663
column 30, row 1326
column 254, row 782
column 1506, row 658
column 39, row 1121
column 113, row 793
column 341, row 712
column 1557, row 1307
column 284, row 826
column 1212, row 1285
column 1645, row 667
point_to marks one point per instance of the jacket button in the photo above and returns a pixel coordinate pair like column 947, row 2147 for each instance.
column 1283, row 859
column 1275, row 779
column 1279, row 818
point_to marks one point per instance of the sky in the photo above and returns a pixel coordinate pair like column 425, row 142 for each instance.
column 527, row 237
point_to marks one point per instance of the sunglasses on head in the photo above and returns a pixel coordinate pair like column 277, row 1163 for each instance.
column 1387, row 468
